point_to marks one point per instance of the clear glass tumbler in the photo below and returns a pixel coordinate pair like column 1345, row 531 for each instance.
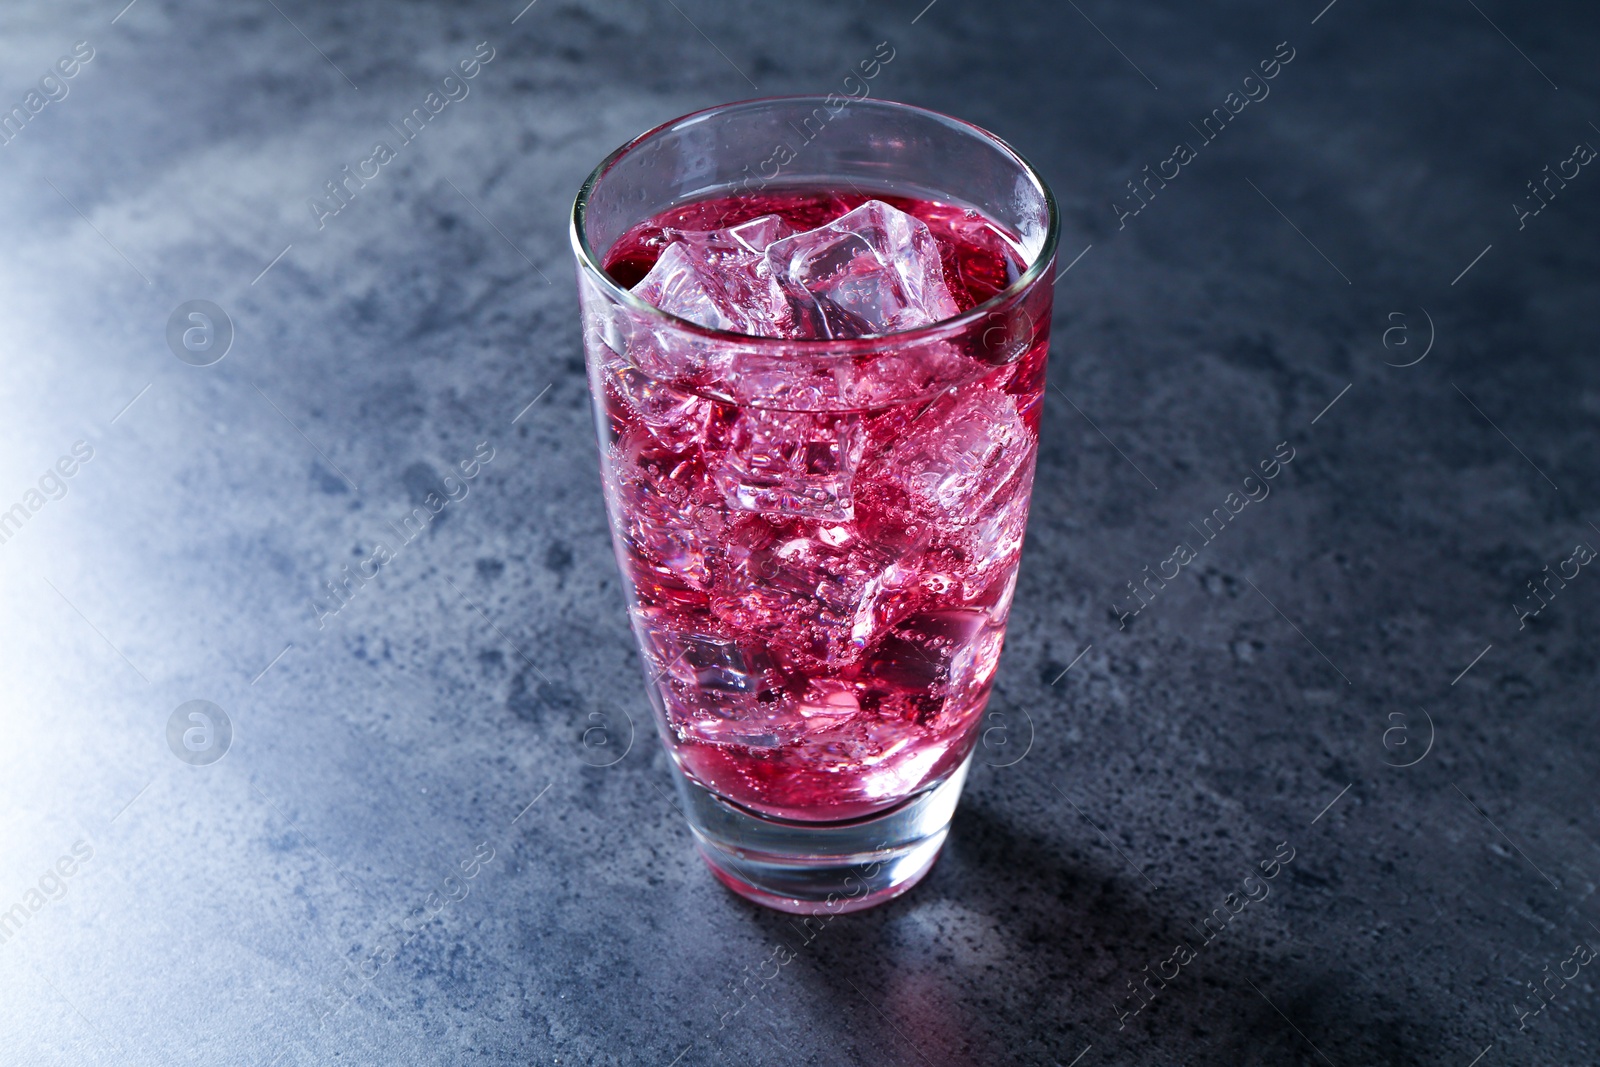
column 819, row 538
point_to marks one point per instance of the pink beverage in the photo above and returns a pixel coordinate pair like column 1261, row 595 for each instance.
column 820, row 586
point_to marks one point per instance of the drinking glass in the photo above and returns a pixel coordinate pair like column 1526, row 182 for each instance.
column 818, row 538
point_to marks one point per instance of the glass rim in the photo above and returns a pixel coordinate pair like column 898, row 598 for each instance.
column 851, row 346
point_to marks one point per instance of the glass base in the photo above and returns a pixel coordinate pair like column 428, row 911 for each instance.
column 821, row 868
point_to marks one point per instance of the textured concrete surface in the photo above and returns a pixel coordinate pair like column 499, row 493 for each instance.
column 361, row 878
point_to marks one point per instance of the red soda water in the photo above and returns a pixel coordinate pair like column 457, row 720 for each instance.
column 822, row 595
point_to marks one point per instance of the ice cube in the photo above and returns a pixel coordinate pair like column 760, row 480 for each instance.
column 718, row 689
column 826, row 705
column 667, row 524
column 723, row 298
column 717, row 278
column 928, row 659
column 997, row 535
column 710, row 662
column 959, row 454
column 881, row 598
column 797, row 593
column 676, row 419
column 873, row 270
column 752, row 236
column 714, row 672
column 791, row 463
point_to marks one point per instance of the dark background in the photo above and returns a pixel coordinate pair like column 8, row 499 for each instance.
column 289, row 904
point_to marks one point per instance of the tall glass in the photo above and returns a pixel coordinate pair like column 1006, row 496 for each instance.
column 819, row 539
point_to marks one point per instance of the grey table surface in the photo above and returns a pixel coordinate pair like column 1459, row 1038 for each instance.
column 441, row 830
